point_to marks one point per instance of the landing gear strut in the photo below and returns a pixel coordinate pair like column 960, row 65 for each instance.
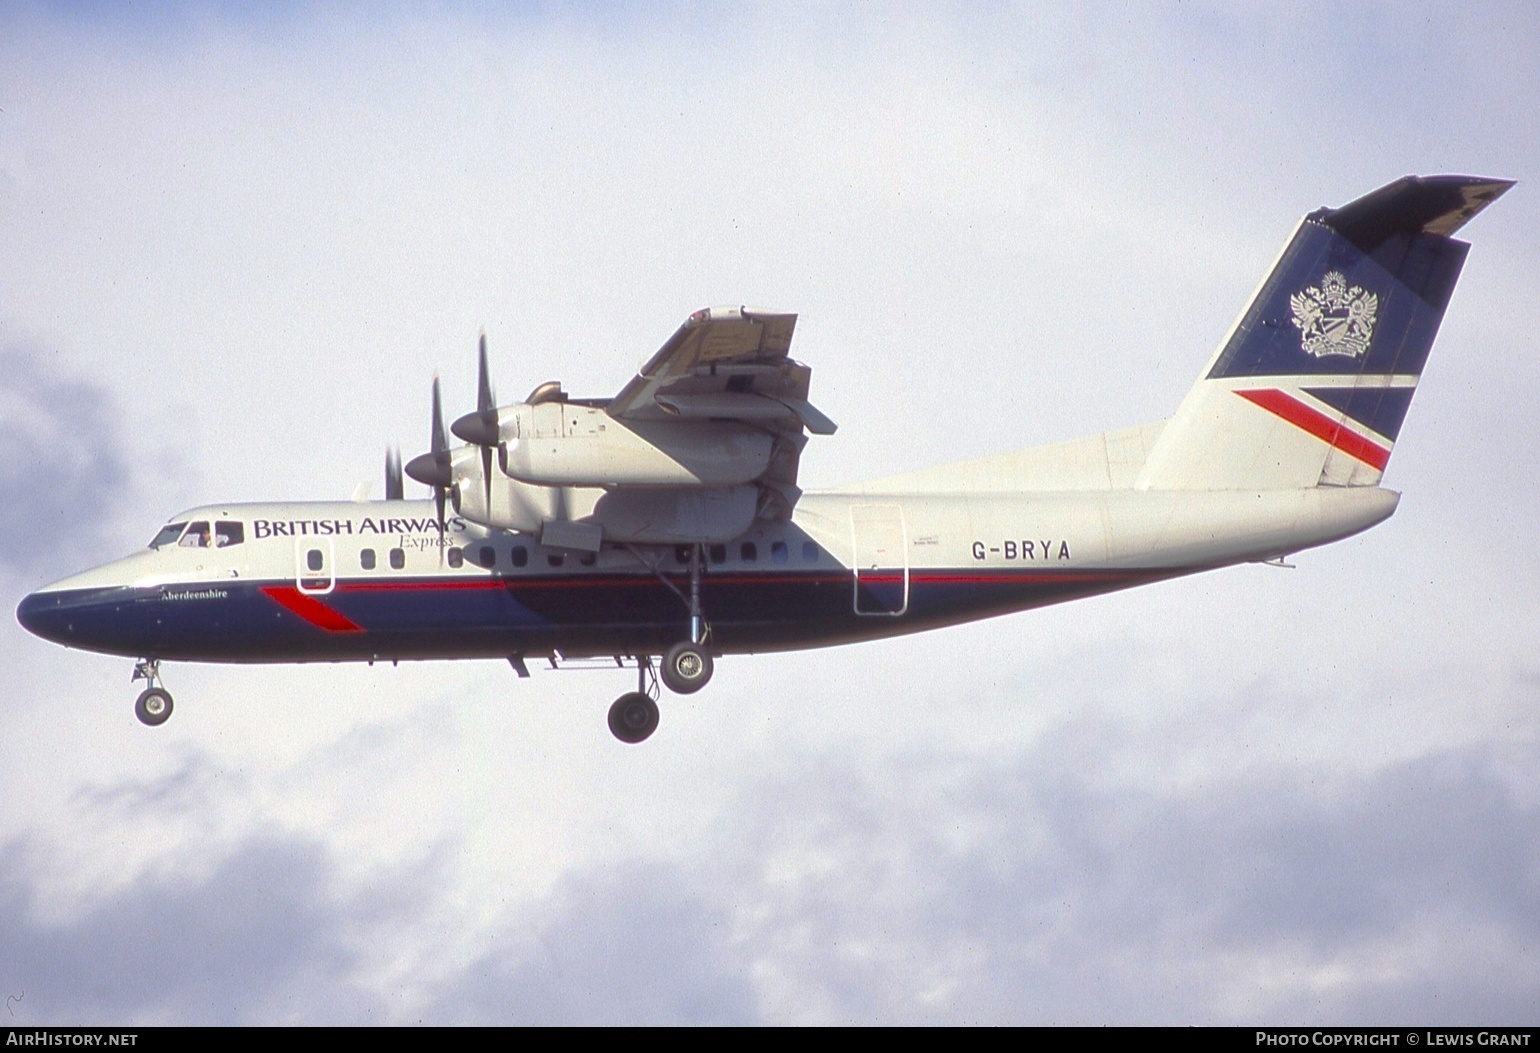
column 685, row 669
column 687, row 665
column 153, row 706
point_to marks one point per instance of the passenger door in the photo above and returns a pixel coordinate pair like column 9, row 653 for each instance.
column 880, row 558
column 314, row 565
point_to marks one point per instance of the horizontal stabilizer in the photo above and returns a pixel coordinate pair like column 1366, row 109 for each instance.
column 1414, row 205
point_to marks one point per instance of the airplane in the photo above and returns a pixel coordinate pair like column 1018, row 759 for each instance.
column 664, row 528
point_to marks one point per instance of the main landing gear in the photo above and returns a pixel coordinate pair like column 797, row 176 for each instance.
column 633, row 717
column 685, row 669
column 153, row 706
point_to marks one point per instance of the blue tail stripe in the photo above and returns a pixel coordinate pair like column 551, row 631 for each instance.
column 1410, row 278
column 1380, row 409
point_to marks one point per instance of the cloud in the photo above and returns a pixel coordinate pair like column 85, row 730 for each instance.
column 259, row 938
column 1077, row 876
column 632, row 943
column 62, row 468
column 947, row 891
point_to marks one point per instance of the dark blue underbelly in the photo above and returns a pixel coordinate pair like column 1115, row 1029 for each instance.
column 481, row 617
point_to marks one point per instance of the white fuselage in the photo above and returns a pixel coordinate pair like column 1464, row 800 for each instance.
column 339, row 581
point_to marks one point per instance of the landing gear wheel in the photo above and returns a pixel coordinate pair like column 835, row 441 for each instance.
column 633, row 717
column 686, row 668
column 153, row 707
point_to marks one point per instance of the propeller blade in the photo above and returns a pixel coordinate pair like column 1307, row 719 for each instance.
column 394, row 488
column 439, row 438
column 441, row 459
column 481, row 427
column 486, row 412
column 486, row 402
column 436, row 468
column 486, row 475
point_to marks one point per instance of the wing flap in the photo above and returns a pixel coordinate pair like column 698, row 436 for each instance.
column 729, row 367
column 727, row 404
column 725, row 363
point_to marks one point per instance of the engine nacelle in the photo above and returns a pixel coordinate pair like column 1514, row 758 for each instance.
column 581, row 516
column 565, row 444
column 676, row 517
column 514, row 505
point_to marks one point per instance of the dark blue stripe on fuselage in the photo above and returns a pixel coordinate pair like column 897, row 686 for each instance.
column 493, row 617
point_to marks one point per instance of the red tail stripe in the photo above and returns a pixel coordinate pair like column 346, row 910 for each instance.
column 311, row 609
column 1318, row 424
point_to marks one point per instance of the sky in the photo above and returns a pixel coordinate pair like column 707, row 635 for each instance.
column 238, row 242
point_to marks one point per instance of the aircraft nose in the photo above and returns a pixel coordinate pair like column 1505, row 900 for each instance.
column 41, row 615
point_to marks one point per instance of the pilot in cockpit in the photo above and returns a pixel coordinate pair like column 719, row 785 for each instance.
column 198, row 536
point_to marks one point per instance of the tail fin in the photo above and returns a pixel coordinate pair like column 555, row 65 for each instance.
column 1312, row 385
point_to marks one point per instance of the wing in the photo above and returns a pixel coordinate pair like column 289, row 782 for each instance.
column 725, row 366
column 725, row 363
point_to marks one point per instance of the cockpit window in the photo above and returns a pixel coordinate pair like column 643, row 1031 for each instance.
column 197, row 536
column 168, row 534
column 228, row 533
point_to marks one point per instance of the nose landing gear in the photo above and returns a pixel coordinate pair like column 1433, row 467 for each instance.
column 153, row 706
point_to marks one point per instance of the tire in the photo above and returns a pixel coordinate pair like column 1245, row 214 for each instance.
column 686, row 668
column 153, row 707
column 633, row 717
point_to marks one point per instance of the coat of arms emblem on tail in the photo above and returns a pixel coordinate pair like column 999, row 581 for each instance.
column 1334, row 318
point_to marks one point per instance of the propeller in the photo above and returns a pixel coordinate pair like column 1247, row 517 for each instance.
column 481, row 428
column 435, row 468
column 394, row 491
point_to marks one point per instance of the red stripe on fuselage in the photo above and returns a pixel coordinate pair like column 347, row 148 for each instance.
column 1006, row 577
column 1000, row 576
column 311, row 609
column 1318, row 424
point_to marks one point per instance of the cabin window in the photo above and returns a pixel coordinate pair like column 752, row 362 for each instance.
column 228, row 533
column 456, row 558
column 588, row 558
column 520, row 556
column 748, row 552
column 810, row 551
column 682, row 555
column 313, row 559
column 486, row 556
column 778, row 552
column 168, row 534
column 718, row 553
column 397, row 559
column 556, row 559
column 197, row 536
column 366, row 559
